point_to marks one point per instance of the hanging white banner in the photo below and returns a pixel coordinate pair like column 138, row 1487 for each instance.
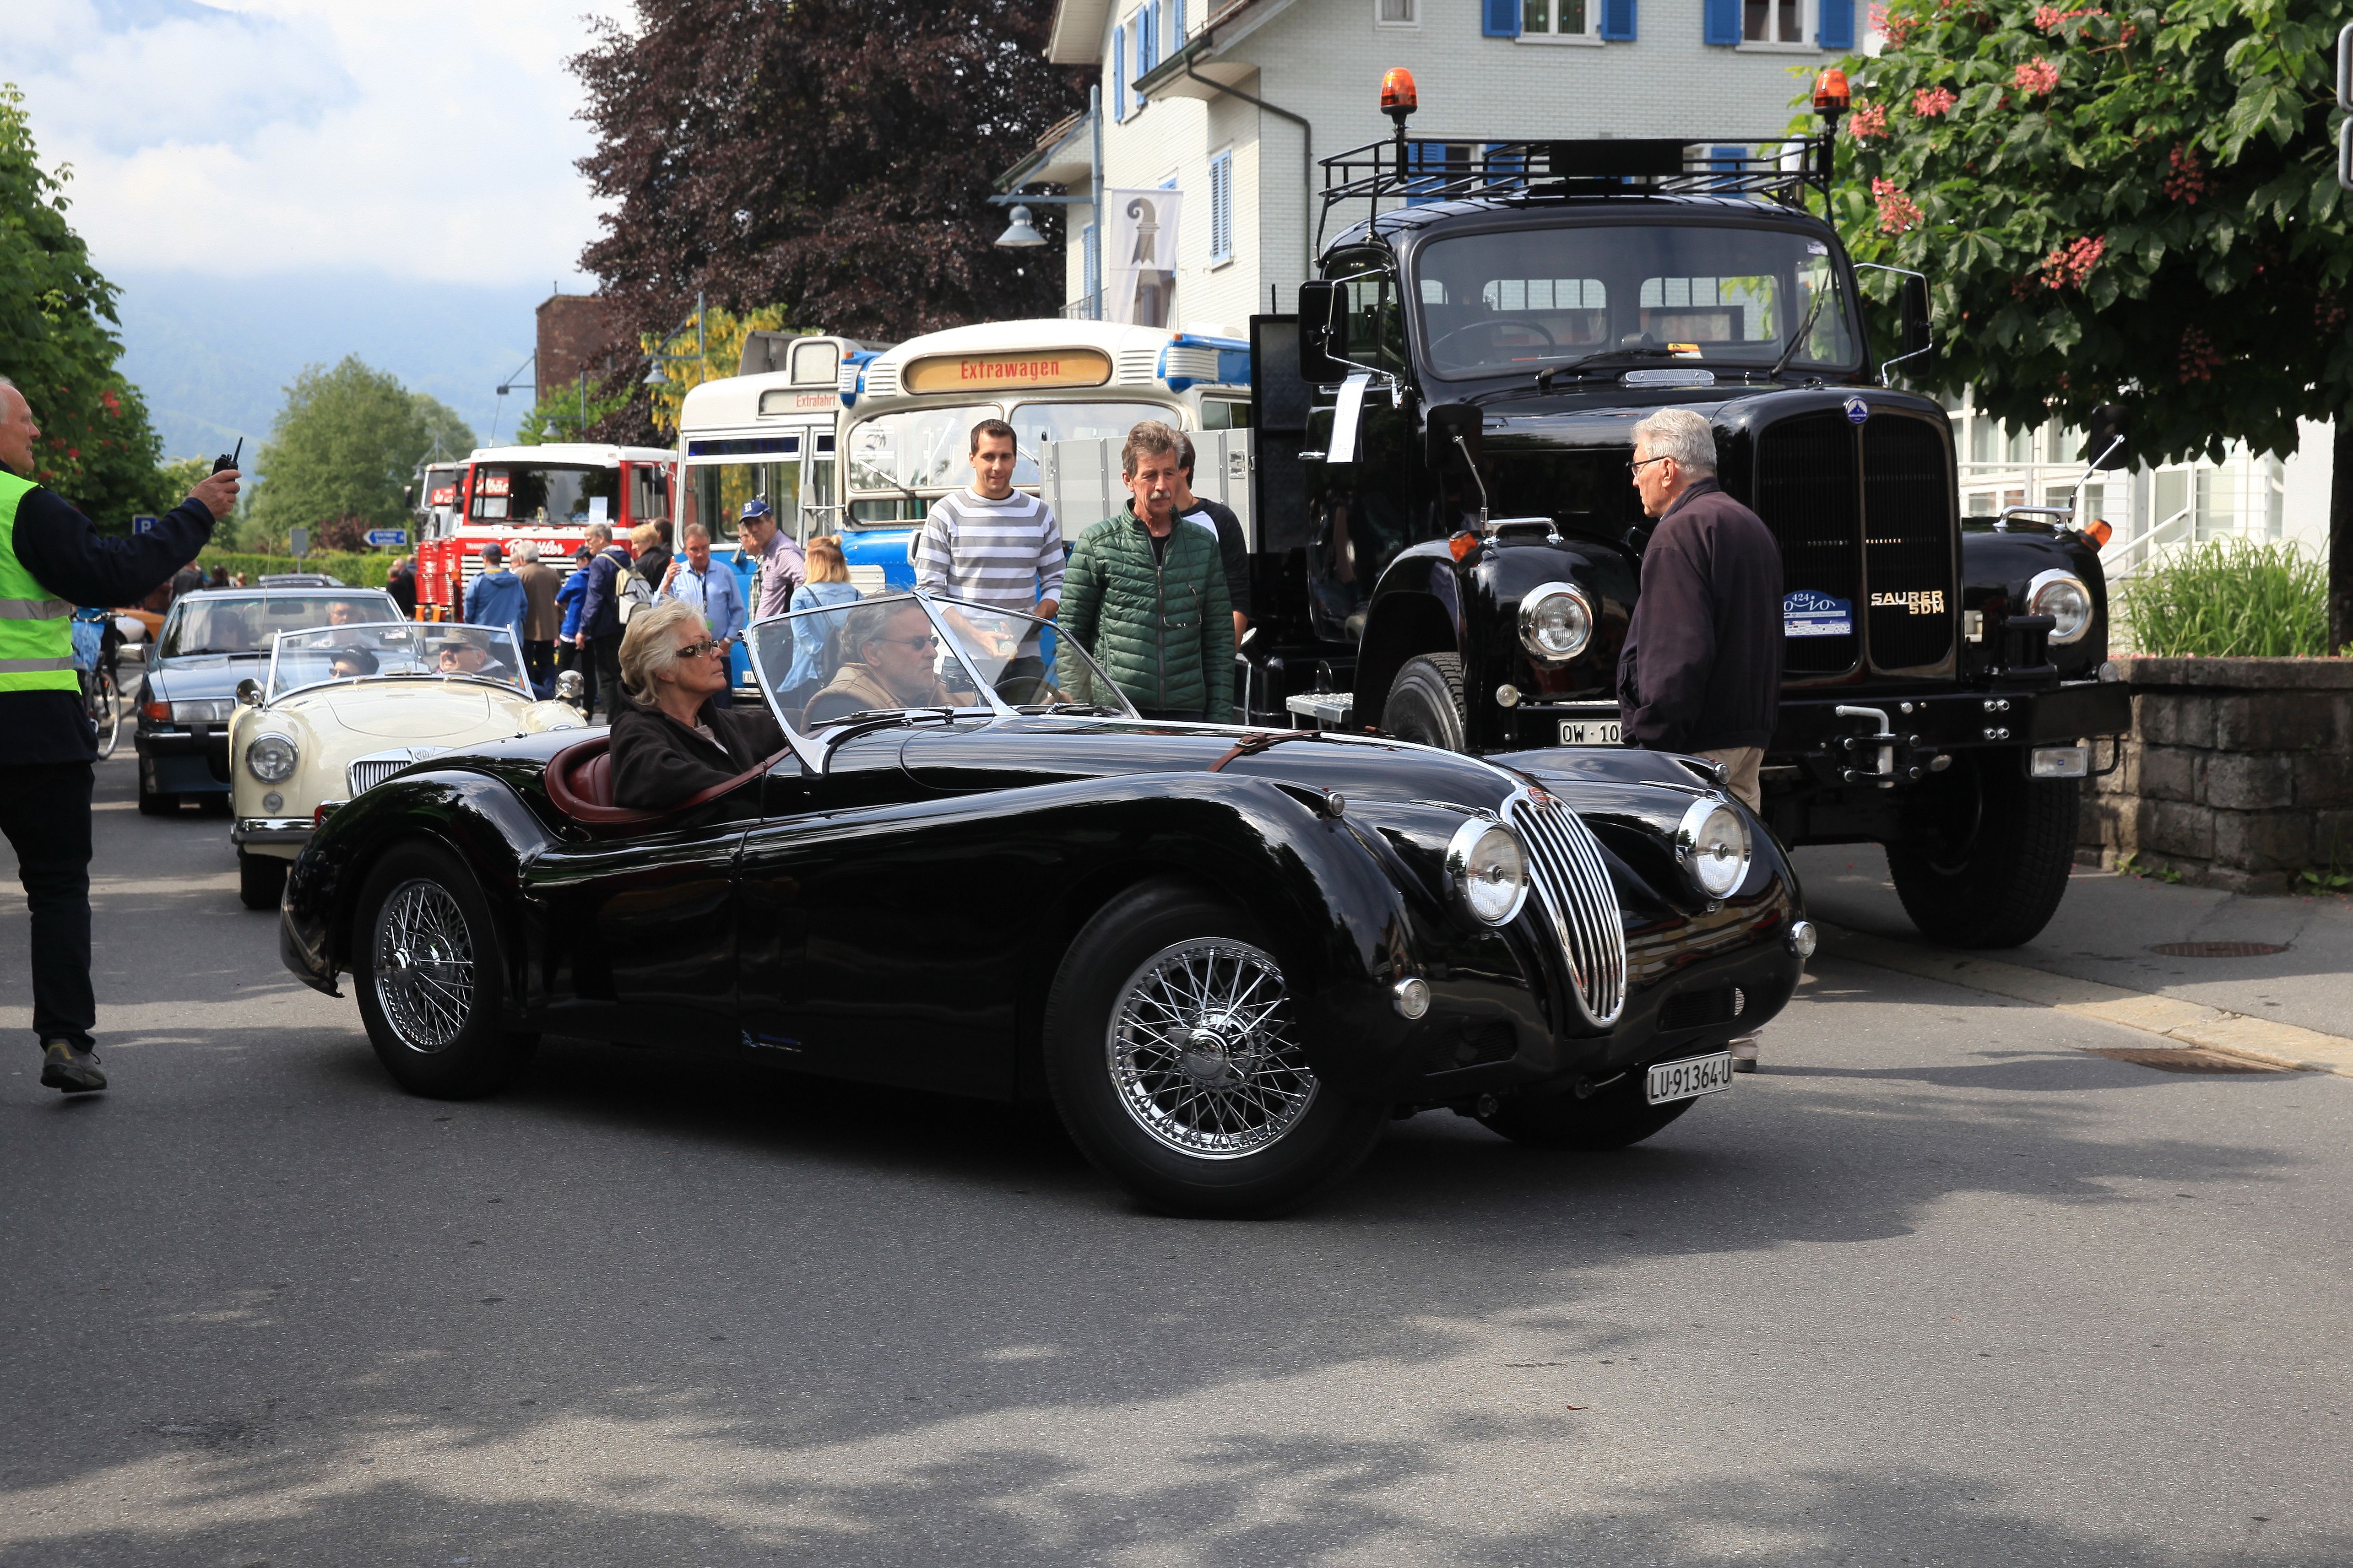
column 1140, row 255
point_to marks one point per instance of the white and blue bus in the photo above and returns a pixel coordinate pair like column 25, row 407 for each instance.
column 907, row 414
column 769, row 435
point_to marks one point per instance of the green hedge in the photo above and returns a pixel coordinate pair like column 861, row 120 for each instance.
column 360, row 570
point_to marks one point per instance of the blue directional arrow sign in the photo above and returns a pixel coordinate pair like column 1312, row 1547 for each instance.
column 382, row 536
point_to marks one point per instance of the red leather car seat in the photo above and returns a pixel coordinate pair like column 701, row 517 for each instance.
column 580, row 784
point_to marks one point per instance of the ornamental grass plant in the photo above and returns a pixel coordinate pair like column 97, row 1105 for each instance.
column 2229, row 599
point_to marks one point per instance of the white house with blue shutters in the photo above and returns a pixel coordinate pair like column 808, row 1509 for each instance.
column 1232, row 100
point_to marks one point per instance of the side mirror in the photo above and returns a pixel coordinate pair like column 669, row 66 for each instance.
column 249, row 692
column 1322, row 333
column 1916, row 316
column 2108, row 428
column 1248, row 646
column 1450, row 421
column 568, row 687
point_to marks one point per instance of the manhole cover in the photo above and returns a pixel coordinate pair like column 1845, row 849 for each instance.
column 2218, row 949
column 2184, row 1058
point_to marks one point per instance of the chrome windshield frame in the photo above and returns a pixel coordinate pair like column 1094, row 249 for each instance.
column 423, row 632
column 814, row 753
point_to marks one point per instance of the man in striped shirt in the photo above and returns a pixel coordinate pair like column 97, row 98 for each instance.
column 988, row 542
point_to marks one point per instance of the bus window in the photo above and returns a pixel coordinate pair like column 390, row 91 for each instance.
column 520, row 493
column 716, row 493
column 648, row 493
column 1035, row 424
column 1224, row 414
column 920, row 448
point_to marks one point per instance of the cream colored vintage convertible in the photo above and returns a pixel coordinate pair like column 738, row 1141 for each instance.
column 347, row 707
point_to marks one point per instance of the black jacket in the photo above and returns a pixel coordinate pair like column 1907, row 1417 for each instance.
column 66, row 554
column 659, row 762
column 600, row 606
column 1233, row 550
column 1701, row 666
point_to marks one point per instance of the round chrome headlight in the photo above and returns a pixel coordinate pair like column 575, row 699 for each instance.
column 1487, row 871
column 1556, row 622
column 2063, row 596
column 272, row 759
column 1712, row 843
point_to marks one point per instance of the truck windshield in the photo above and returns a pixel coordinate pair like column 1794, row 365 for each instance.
column 519, row 493
column 1517, row 300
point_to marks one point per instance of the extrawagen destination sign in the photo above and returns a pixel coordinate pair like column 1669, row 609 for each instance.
column 964, row 372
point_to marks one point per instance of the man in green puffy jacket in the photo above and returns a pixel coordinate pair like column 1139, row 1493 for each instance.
column 1148, row 598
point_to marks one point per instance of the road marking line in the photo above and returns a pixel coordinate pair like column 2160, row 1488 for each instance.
column 2188, row 1023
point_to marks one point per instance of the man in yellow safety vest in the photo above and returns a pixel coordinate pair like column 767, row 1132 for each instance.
column 52, row 559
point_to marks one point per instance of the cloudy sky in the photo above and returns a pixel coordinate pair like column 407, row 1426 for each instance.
column 276, row 182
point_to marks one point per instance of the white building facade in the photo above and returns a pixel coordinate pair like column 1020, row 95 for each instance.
column 1231, row 101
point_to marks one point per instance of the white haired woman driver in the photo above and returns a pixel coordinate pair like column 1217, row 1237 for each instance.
column 670, row 740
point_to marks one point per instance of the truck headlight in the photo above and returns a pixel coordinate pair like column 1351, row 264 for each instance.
column 1487, row 872
column 2063, row 596
column 1556, row 622
column 1712, row 844
column 272, row 759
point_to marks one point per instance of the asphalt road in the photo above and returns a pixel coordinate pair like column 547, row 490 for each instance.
column 1936, row 1287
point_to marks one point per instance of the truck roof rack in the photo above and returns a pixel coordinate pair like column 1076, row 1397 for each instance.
column 1422, row 170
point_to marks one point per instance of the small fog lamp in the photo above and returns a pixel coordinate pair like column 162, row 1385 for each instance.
column 1412, row 997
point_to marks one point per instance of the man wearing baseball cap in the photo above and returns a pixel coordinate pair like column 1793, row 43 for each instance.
column 777, row 566
column 496, row 597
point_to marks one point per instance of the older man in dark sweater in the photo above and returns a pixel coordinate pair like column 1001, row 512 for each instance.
column 1701, row 671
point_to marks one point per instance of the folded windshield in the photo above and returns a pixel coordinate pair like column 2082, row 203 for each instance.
column 830, row 664
column 394, row 647
column 1523, row 299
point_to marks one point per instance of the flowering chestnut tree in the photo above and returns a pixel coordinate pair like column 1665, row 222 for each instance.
column 2118, row 202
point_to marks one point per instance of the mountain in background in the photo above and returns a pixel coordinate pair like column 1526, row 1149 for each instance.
column 214, row 355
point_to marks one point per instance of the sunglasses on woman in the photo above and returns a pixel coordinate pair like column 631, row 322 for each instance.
column 698, row 649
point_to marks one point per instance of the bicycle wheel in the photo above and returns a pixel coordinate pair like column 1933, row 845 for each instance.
column 105, row 712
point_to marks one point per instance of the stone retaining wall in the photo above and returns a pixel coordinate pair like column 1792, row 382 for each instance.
column 2239, row 771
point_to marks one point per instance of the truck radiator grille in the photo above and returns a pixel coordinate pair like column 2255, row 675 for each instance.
column 1907, row 543
column 1574, row 886
column 1806, row 494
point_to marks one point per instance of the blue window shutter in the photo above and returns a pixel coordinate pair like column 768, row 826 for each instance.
column 1119, row 73
column 1500, row 19
column 1176, row 17
column 1090, row 279
column 1722, row 24
column 1837, row 24
column 1618, row 21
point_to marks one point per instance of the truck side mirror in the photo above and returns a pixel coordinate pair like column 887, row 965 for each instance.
column 2108, row 428
column 1915, row 315
column 1322, row 333
column 1448, row 421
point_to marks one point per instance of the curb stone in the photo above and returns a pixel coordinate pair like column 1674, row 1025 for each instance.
column 2183, row 1023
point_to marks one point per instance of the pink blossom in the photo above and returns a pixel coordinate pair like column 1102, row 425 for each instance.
column 1869, row 119
column 2037, row 77
column 2070, row 264
column 1932, row 101
column 1897, row 211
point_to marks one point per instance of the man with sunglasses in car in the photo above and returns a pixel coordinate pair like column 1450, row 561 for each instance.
column 891, row 662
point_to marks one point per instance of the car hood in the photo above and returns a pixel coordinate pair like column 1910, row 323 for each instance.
column 425, row 711
column 193, row 677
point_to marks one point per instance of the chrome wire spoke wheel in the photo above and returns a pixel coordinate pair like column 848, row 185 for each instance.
column 1203, row 1053
column 424, row 965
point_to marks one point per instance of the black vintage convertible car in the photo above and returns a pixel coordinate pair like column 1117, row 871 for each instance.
column 1227, row 956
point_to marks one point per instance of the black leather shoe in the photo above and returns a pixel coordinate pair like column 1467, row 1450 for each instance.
column 68, row 1067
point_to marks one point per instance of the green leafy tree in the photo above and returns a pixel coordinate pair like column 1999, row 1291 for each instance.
column 57, row 341
column 346, row 444
column 2130, row 204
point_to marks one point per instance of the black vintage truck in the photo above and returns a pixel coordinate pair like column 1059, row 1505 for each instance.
column 1449, row 544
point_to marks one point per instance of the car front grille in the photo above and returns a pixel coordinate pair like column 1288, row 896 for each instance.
column 1574, row 885
column 1864, row 515
column 369, row 772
